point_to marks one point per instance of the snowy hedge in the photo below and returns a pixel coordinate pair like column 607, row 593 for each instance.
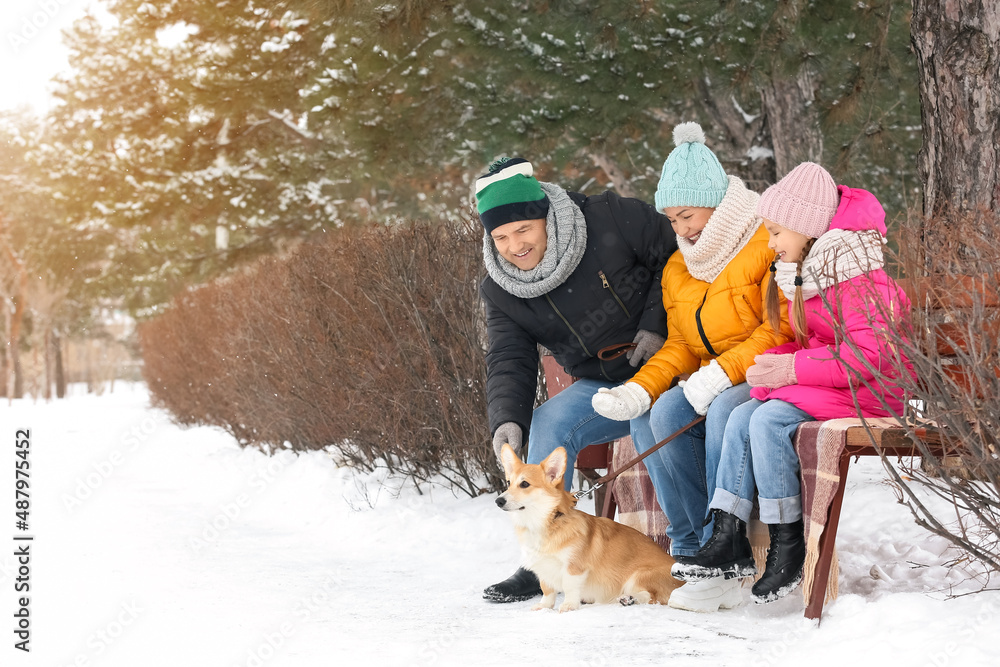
column 369, row 342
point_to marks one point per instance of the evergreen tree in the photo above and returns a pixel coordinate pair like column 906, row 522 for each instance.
column 834, row 82
column 592, row 89
column 45, row 263
column 194, row 135
column 182, row 136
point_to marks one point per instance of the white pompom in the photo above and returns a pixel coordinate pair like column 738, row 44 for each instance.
column 688, row 133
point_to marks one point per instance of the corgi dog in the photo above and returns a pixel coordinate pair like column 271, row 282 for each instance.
column 588, row 558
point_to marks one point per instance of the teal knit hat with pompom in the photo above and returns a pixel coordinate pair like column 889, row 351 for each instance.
column 691, row 175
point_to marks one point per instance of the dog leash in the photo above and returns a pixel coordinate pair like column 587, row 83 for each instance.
column 611, row 476
column 614, row 351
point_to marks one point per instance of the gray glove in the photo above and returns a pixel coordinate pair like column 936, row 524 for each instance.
column 510, row 433
column 647, row 343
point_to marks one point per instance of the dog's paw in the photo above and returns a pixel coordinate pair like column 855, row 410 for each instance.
column 568, row 606
column 540, row 606
column 626, row 600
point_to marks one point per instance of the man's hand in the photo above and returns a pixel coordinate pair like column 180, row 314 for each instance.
column 509, row 433
column 647, row 343
column 621, row 403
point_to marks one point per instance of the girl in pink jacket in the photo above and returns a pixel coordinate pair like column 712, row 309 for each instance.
column 828, row 262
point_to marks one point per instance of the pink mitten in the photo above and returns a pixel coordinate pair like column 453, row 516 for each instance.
column 772, row 371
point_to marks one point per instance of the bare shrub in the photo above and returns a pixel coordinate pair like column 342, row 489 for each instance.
column 372, row 341
column 949, row 266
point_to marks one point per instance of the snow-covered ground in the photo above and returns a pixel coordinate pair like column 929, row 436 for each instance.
column 157, row 545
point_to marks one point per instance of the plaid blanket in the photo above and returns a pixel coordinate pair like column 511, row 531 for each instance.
column 633, row 489
column 638, row 507
column 819, row 445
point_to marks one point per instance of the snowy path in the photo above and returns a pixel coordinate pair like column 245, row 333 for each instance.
column 156, row 545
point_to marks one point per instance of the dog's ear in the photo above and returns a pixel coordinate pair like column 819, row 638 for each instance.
column 509, row 460
column 554, row 466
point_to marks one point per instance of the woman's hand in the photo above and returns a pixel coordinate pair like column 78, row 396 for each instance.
column 704, row 385
column 772, row 371
column 621, row 403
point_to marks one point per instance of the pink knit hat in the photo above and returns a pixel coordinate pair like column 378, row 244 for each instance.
column 803, row 201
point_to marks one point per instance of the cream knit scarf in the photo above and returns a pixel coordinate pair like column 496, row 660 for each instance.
column 729, row 229
column 837, row 256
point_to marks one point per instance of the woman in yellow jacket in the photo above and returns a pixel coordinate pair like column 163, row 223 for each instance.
column 713, row 292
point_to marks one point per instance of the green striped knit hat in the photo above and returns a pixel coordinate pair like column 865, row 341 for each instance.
column 508, row 193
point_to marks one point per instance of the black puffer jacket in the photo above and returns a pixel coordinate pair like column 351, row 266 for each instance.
column 612, row 294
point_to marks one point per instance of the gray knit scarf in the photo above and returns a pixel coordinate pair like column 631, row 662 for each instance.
column 566, row 229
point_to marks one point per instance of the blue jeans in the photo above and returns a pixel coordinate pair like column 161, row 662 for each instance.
column 683, row 470
column 758, row 452
column 568, row 420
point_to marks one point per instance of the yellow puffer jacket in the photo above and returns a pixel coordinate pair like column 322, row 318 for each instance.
column 722, row 320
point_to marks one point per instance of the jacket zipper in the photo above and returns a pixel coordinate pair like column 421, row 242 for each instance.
column 607, row 286
column 568, row 326
column 701, row 329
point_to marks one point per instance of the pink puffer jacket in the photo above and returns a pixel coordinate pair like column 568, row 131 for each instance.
column 824, row 383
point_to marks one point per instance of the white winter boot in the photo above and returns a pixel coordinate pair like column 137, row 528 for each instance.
column 708, row 595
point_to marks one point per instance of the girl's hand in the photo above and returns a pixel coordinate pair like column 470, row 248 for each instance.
column 772, row 371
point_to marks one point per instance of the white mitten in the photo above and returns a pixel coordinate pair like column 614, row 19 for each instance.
column 704, row 385
column 621, row 403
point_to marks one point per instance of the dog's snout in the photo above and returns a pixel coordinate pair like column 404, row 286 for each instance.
column 501, row 501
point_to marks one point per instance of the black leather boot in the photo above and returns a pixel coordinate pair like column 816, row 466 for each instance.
column 785, row 557
column 727, row 552
column 522, row 585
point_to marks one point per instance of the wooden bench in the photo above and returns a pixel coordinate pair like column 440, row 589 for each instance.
column 860, row 441
column 948, row 340
column 940, row 300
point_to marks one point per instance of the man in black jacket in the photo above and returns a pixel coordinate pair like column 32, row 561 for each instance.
column 574, row 274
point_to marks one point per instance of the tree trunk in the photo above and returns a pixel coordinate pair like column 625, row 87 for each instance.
column 614, row 173
column 18, row 290
column 791, row 115
column 48, row 364
column 60, row 371
column 18, row 375
column 958, row 59
column 750, row 152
